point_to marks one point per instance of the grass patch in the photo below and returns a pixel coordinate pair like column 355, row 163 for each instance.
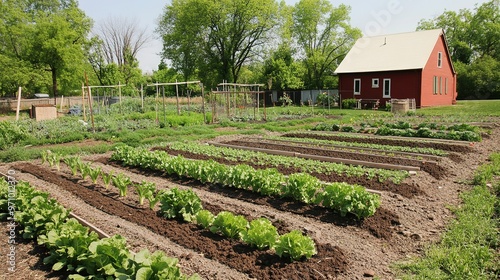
column 22, row 153
column 467, row 248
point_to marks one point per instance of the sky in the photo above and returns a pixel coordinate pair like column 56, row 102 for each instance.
column 374, row 17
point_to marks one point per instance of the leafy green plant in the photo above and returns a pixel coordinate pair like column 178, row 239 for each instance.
column 153, row 199
column 295, row 246
column 144, row 190
column 66, row 244
column 176, row 203
column 94, row 173
column 346, row 198
column 157, row 266
column 107, row 178
column 205, row 218
column 73, row 164
column 302, row 187
column 54, row 159
column 108, row 257
column 349, row 103
column 121, row 181
column 84, row 169
column 261, row 233
column 45, row 155
column 39, row 213
column 229, row 225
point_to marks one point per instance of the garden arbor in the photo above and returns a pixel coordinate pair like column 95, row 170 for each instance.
column 235, row 99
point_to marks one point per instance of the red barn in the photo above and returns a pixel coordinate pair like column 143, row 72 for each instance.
column 399, row 66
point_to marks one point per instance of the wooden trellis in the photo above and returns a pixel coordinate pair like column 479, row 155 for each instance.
column 176, row 84
column 234, row 97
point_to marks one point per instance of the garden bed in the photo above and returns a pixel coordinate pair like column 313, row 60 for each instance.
column 357, row 250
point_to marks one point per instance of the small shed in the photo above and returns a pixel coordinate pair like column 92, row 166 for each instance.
column 42, row 112
column 412, row 65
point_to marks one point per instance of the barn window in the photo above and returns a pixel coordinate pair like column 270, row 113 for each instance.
column 387, row 88
column 440, row 85
column 357, row 86
column 375, row 83
column 445, row 85
column 440, row 59
column 435, row 85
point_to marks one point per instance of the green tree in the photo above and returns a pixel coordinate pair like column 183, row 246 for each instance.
column 473, row 40
column 282, row 70
column 324, row 36
column 216, row 36
column 456, row 26
column 44, row 36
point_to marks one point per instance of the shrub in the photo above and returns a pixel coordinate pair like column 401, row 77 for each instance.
column 349, row 103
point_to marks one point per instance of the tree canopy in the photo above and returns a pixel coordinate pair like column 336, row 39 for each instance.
column 42, row 37
column 216, row 37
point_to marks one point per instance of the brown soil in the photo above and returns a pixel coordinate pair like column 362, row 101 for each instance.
column 356, row 250
column 386, row 141
column 330, row 260
column 430, row 167
column 403, row 189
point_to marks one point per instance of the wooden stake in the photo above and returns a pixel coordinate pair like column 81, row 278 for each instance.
column 142, row 98
column 61, row 105
column 18, row 103
column 203, row 103
column 90, row 103
column 177, row 94
column 120, row 93
column 83, row 102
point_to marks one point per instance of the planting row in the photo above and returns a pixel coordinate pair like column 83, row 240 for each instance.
column 385, row 148
column 462, row 132
column 175, row 204
column 259, row 233
column 305, row 165
column 361, row 138
column 72, row 247
column 340, row 197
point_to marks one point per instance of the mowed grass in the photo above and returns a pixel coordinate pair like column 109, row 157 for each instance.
column 465, row 108
column 469, row 248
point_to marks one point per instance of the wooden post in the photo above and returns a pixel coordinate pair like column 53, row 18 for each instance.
column 90, row 103
column 156, row 104
column 203, row 103
column 177, row 94
column 18, row 103
column 83, row 103
column 61, row 105
column 264, row 103
column 142, row 98
column 120, row 94
column 164, row 109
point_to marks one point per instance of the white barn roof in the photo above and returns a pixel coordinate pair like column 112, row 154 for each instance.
column 403, row 51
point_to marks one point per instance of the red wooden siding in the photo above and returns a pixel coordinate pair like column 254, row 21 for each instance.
column 404, row 84
column 443, row 74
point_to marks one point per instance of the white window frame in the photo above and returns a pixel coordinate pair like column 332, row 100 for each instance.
column 435, row 85
column 375, row 83
column 359, row 87
column 440, row 60
column 440, row 85
column 445, row 85
column 384, row 89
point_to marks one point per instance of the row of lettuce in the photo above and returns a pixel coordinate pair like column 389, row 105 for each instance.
column 463, row 132
column 304, row 165
column 340, row 197
column 73, row 247
column 187, row 205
